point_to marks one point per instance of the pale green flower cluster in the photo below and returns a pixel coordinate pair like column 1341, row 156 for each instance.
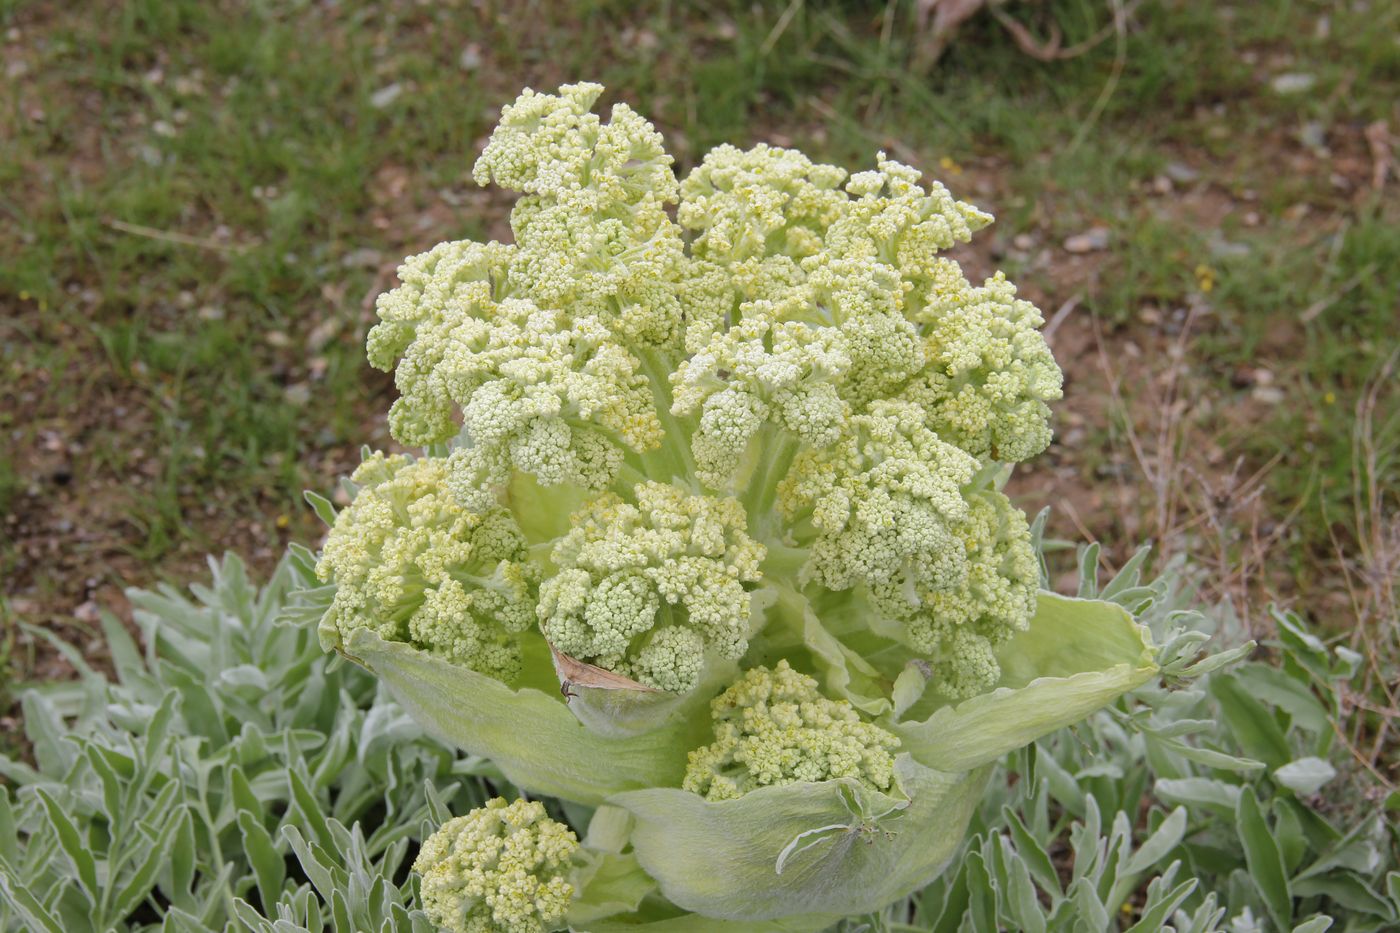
column 895, row 508
column 733, row 442
column 785, row 387
column 412, row 564
column 773, row 727
column 645, row 590
column 502, row 868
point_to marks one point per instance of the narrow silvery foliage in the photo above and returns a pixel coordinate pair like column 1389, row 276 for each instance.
column 217, row 782
column 707, row 529
column 247, row 829
column 1210, row 806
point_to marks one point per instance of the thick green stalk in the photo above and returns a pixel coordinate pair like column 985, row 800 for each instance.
column 673, row 458
column 773, row 450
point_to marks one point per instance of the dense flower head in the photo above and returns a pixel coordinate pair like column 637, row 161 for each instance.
column 646, row 590
column 957, row 624
column 537, row 390
column 896, row 221
column 758, row 371
column 703, row 403
column 502, row 868
column 592, row 229
column 766, row 201
column 411, row 564
column 774, row 727
column 882, row 500
column 989, row 373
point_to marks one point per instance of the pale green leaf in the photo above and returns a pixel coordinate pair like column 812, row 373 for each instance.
column 1210, row 757
column 982, row 901
column 9, row 830
column 181, row 858
column 1305, row 776
column 269, row 868
column 1154, row 918
column 309, row 855
column 1089, row 571
column 126, row 657
column 1351, row 662
column 1288, row 830
column 72, row 842
column 1265, row 862
column 1348, row 891
column 1216, row 661
column 1036, row 859
column 18, row 897
column 144, row 877
column 719, row 858
column 1128, row 576
column 322, row 506
column 1092, row 911
column 1020, row 892
column 1077, row 656
column 608, row 829
column 533, row 737
column 1250, row 722
column 610, row 885
column 908, row 688
column 1277, row 687
column 1316, row 924
column 1160, row 843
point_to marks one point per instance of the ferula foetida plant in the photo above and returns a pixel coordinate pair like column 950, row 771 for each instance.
column 704, row 531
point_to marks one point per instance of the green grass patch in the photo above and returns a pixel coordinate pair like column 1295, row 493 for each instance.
column 199, row 197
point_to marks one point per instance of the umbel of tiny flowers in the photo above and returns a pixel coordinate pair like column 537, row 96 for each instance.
column 502, row 868
column 732, row 443
column 787, row 367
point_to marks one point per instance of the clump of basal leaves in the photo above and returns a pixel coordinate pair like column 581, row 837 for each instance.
column 228, row 778
column 233, row 777
column 1210, row 800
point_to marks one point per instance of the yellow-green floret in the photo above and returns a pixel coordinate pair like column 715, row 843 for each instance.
column 537, row 389
column 765, row 201
column 989, row 373
column 774, row 727
column 592, row 228
column 410, row 563
column 897, row 510
column 502, row 868
column 883, row 500
column 646, row 590
column 959, row 627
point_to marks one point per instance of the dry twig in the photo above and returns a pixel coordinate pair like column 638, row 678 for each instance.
column 168, row 236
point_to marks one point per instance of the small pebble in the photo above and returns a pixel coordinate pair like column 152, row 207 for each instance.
column 1180, row 172
column 1293, row 83
column 385, row 96
column 1091, row 240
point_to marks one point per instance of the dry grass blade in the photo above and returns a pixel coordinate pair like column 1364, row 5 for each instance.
column 167, row 236
column 1051, row 49
column 1370, row 576
column 1382, row 159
